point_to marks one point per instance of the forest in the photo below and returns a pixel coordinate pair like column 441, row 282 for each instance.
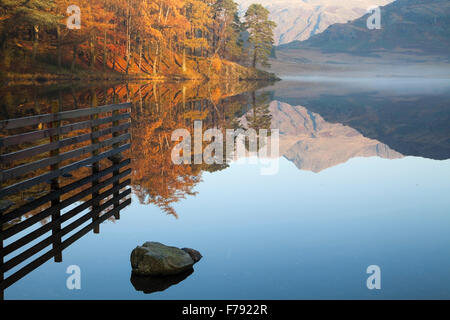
column 148, row 39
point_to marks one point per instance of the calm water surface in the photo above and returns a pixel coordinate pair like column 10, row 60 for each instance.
column 363, row 180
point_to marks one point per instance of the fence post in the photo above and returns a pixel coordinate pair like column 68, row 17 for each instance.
column 115, row 161
column 2, row 276
column 54, row 186
column 95, row 165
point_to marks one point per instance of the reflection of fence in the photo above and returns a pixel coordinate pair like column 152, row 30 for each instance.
column 105, row 136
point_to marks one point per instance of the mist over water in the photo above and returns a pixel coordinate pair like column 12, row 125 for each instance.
column 401, row 85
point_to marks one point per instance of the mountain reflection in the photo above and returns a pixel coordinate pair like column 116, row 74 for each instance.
column 306, row 139
column 313, row 144
column 411, row 116
column 314, row 134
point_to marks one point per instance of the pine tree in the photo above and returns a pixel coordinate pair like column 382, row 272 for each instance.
column 261, row 33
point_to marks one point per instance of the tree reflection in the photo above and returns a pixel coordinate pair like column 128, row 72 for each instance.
column 159, row 108
column 156, row 179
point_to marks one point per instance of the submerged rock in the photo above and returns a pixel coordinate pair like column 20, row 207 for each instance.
column 157, row 259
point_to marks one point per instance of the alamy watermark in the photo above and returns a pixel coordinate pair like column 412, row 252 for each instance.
column 74, row 20
column 73, row 282
column 374, row 280
column 245, row 146
column 374, row 20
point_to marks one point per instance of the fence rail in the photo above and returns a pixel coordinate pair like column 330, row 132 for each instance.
column 40, row 156
column 64, row 115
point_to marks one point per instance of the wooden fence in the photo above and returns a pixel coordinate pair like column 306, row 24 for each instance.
column 27, row 162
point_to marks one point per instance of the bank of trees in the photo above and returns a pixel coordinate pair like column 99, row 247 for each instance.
column 130, row 35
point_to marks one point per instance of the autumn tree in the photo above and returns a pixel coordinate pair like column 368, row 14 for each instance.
column 227, row 40
column 156, row 37
column 199, row 15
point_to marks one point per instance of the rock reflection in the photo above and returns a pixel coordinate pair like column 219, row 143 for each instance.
column 155, row 284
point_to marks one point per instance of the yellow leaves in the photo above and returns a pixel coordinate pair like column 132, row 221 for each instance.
column 196, row 43
column 216, row 95
column 196, row 115
column 200, row 13
column 216, row 63
column 144, row 37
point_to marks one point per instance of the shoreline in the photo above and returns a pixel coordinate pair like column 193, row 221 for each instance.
column 50, row 79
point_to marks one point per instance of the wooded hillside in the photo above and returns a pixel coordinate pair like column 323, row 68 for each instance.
column 186, row 39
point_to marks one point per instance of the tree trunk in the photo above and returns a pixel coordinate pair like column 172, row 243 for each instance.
column 114, row 49
column 155, row 62
column 128, row 37
column 105, row 52
column 184, row 60
column 35, row 42
column 140, row 56
column 74, row 57
column 92, row 50
column 58, row 44
column 184, row 97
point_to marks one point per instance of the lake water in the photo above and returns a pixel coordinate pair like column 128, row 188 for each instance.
column 363, row 179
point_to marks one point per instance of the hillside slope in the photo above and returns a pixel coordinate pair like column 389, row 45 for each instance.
column 414, row 26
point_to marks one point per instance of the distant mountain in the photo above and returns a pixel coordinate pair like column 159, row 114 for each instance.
column 301, row 19
column 416, row 26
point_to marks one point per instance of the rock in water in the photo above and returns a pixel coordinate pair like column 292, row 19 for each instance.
column 195, row 255
column 157, row 259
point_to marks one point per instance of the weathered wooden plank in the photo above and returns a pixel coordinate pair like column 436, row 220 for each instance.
column 66, row 243
column 70, row 187
column 67, row 202
column 66, row 216
column 25, row 168
column 29, row 152
column 65, row 115
column 50, row 175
